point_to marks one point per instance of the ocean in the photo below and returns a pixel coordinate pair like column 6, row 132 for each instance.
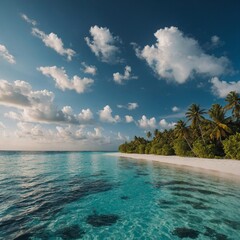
column 92, row 195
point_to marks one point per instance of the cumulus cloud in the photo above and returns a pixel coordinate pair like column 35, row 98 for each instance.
column 89, row 69
column 146, row 123
column 222, row 88
column 85, row 115
column 14, row 115
column 106, row 115
column 15, row 94
column 121, row 137
column 6, row 55
column 122, row 78
column 132, row 106
column 28, row 20
column 38, row 106
column 175, row 109
column 129, row 119
column 96, row 134
column 53, row 41
column 62, row 81
column 30, row 130
column 166, row 125
column 129, row 106
column 176, row 57
column 67, row 110
column 103, row 44
column 72, row 133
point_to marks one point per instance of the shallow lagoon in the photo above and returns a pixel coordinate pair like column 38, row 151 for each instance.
column 87, row 195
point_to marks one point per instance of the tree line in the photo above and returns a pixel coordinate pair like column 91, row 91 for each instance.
column 212, row 133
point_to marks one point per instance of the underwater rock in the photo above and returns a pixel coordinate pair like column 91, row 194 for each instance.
column 190, row 189
column 165, row 203
column 99, row 220
column 141, row 173
column 212, row 234
column 175, row 182
column 71, row 232
column 196, row 205
column 233, row 224
column 124, row 197
column 184, row 232
column 180, row 194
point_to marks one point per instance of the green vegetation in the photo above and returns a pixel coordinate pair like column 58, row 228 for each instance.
column 205, row 134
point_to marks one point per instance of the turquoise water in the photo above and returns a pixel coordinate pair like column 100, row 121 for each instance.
column 94, row 196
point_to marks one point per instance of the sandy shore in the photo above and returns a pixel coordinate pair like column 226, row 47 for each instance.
column 217, row 165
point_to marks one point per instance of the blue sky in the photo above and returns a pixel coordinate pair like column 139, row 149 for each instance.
column 89, row 75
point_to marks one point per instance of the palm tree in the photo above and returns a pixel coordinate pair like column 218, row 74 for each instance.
column 156, row 132
column 195, row 115
column 233, row 100
column 220, row 122
column 149, row 134
column 182, row 131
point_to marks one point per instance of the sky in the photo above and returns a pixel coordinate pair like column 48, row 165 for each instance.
column 90, row 74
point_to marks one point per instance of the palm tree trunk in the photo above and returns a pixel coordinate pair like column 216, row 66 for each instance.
column 189, row 145
column 201, row 133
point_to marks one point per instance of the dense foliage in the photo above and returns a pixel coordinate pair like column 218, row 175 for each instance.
column 206, row 134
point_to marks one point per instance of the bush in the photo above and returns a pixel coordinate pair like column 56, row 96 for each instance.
column 148, row 148
column 231, row 146
column 123, row 148
column 141, row 149
column 204, row 150
column 167, row 150
column 181, row 148
column 155, row 148
column 159, row 151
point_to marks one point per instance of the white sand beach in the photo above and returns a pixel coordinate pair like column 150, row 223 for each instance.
column 219, row 166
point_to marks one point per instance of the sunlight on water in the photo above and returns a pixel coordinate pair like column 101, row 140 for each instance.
column 94, row 196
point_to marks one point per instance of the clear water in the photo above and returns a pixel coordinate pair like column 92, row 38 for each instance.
column 94, row 196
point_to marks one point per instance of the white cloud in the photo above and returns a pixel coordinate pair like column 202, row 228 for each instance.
column 121, row 78
column 71, row 133
column 215, row 40
column 222, row 88
column 29, row 136
column 106, row 115
column 2, row 126
column 68, row 133
column 38, row 106
column 14, row 116
column 175, row 109
column 129, row 106
column 103, row 44
column 122, row 138
column 6, row 55
column 146, row 123
column 129, row 119
column 15, row 94
column 89, row 69
column 85, row 115
column 53, row 41
column 132, row 106
column 96, row 134
column 166, row 125
column 28, row 20
column 80, row 85
column 67, row 110
column 31, row 130
column 176, row 57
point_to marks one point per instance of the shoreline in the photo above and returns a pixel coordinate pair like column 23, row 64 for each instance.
column 216, row 166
